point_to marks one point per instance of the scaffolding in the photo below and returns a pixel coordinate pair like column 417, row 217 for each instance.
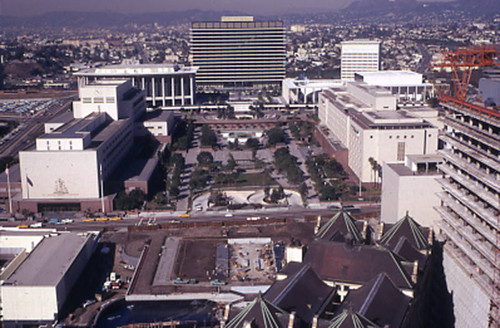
column 462, row 62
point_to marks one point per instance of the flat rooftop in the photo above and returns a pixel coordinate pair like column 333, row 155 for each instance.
column 75, row 128
column 393, row 78
column 64, row 117
column 138, row 69
column 157, row 116
column 49, row 261
column 389, row 119
column 432, row 158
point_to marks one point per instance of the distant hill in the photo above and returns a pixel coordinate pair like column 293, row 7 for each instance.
column 370, row 8
column 401, row 10
column 101, row 19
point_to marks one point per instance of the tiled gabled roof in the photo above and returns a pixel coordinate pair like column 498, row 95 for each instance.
column 406, row 227
column 379, row 301
column 338, row 227
column 404, row 249
column 303, row 292
column 260, row 313
column 351, row 319
column 339, row 262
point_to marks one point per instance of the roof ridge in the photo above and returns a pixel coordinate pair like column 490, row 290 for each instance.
column 373, row 291
column 401, row 270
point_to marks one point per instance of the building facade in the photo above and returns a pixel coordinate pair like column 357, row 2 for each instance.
column 71, row 162
column 359, row 56
column 238, row 52
column 470, row 219
column 402, row 181
column 37, row 290
column 365, row 120
column 165, row 85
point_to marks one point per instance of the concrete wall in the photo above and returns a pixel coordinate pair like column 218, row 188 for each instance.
column 383, row 145
column 29, row 303
column 59, row 174
column 416, row 194
column 470, row 303
column 43, row 303
column 27, row 242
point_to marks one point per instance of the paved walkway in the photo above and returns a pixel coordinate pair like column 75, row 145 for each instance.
column 165, row 269
column 312, row 197
column 189, row 166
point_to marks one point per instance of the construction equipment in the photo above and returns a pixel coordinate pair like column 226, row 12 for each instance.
column 462, row 62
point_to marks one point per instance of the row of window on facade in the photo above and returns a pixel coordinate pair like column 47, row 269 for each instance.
column 98, row 100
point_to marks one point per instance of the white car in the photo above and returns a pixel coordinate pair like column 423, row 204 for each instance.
column 228, row 215
column 67, row 221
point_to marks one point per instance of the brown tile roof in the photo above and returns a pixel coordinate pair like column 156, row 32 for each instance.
column 404, row 249
column 379, row 301
column 339, row 227
column 303, row 292
column 340, row 262
column 406, row 227
column 350, row 319
column 260, row 313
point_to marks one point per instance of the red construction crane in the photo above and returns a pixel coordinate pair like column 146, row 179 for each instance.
column 462, row 62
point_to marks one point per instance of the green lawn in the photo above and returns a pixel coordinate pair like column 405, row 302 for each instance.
column 251, row 179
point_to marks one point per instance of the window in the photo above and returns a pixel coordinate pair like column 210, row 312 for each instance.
column 87, row 100
column 98, row 100
column 110, row 100
column 401, row 151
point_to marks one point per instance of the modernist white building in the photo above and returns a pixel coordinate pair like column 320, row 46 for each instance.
column 37, row 290
column 166, row 85
column 306, row 91
column 238, row 52
column 76, row 155
column 408, row 86
column 358, row 56
column 365, row 119
column 411, row 187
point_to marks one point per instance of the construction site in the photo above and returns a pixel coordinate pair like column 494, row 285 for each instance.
column 470, row 187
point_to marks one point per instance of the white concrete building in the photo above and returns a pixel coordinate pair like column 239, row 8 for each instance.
column 306, row 91
column 37, row 290
column 409, row 87
column 411, row 187
column 359, row 56
column 166, row 85
column 366, row 121
column 72, row 161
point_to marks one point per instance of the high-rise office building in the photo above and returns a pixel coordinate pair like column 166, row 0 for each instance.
column 238, row 52
column 470, row 213
column 359, row 56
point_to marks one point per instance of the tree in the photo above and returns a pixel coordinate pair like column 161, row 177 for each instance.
column 133, row 200
column 199, row 179
column 252, row 143
column 205, row 159
column 231, row 163
column 276, row 135
column 303, row 190
column 208, row 136
column 374, row 166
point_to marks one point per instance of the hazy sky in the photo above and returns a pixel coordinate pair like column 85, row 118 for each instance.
column 260, row 7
